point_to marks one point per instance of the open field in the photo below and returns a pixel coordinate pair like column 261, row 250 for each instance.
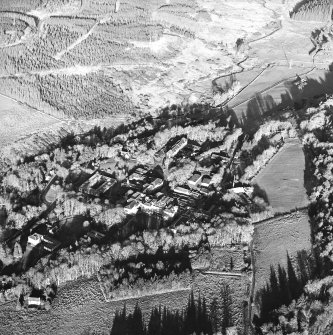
column 283, row 178
column 282, row 91
column 269, row 76
column 80, row 305
column 273, row 238
column 18, row 121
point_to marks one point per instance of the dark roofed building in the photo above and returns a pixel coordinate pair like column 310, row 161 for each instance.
column 206, row 180
column 50, row 244
column 194, row 180
column 177, row 147
column 95, row 235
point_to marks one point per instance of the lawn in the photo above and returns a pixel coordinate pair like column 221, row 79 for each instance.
column 283, row 178
column 18, row 121
column 275, row 237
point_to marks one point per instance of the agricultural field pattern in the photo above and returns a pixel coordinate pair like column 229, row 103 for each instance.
column 166, row 167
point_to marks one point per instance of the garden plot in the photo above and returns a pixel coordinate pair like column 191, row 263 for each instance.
column 276, row 237
column 283, row 178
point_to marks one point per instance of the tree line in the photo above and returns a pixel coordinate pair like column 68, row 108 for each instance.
column 194, row 319
column 286, row 285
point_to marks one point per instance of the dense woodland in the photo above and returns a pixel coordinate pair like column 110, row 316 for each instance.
column 194, row 319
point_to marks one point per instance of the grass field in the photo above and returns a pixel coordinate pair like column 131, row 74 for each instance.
column 261, row 80
column 80, row 305
column 285, row 93
column 17, row 121
column 283, row 178
column 275, row 237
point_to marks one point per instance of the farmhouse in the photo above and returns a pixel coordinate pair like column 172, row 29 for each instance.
column 35, row 239
column 33, row 301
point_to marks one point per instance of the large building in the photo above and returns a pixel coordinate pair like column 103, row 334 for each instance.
column 48, row 242
column 155, row 185
column 98, row 184
column 195, row 179
column 206, row 181
column 35, row 239
column 177, row 147
column 33, row 301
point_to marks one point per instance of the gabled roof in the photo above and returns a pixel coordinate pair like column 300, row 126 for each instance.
column 195, row 177
column 206, row 179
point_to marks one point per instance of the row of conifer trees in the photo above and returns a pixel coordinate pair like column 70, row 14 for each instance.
column 194, row 319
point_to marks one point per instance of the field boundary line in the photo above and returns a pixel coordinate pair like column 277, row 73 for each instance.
column 149, row 294
column 33, row 108
column 247, row 85
column 223, row 273
column 273, row 86
column 280, row 215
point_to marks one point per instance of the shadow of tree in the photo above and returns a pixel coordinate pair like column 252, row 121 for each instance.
column 299, row 93
column 194, row 319
column 286, row 285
